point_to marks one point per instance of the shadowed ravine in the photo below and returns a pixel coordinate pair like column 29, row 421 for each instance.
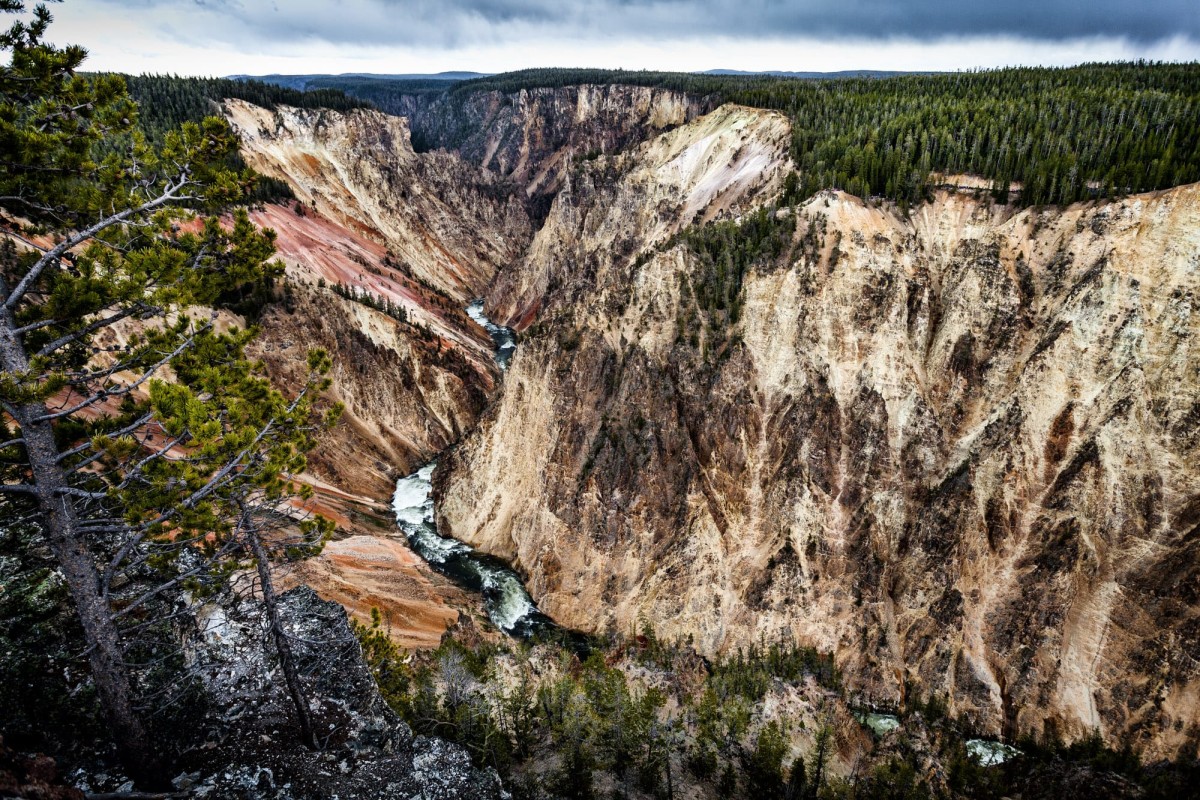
column 508, row 604
column 504, row 338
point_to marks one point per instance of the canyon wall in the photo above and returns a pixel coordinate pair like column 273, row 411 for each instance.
column 420, row 235
column 424, row 232
column 441, row 220
column 957, row 448
column 535, row 137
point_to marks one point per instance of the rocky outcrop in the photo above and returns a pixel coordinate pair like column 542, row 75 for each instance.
column 379, row 571
column 957, row 448
column 253, row 752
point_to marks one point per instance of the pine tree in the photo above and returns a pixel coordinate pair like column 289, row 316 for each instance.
column 135, row 430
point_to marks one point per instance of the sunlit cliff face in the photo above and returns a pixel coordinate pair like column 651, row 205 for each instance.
column 958, row 448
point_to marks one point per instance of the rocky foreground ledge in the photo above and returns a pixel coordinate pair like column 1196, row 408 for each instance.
column 367, row 751
column 249, row 747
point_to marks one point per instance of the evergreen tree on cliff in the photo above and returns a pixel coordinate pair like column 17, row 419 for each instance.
column 134, row 429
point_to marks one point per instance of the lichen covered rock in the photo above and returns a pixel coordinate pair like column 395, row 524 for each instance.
column 250, row 749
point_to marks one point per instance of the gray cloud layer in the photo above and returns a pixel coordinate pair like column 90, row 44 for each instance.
column 457, row 22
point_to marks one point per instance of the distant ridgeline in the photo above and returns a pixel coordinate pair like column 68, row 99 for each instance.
column 166, row 102
column 387, row 94
column 1097, row 130
column 1061, row 134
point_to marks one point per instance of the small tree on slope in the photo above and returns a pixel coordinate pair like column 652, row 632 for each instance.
column 134, row 428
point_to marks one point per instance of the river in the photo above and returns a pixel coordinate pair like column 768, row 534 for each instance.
column 508, row 604
column 503, row 338
column 987, row 752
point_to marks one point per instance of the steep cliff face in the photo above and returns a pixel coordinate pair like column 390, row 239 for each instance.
column 441, row 220
column 535, row 136
column 408, row 392
column 418, row 237
column 425, row 233
column 956, row 448
column 614, row 208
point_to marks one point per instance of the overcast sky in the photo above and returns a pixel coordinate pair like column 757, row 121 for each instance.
column 223, row 37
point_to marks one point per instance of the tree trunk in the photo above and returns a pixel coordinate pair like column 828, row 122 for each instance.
column 287, row 660
column 819, row 759
column 670, row 779
column 60, row 524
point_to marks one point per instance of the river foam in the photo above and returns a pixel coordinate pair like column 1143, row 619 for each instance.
column 503, row 338
column 508, row 605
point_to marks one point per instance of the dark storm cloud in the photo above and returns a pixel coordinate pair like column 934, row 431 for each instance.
column 447, row 23
column 1035, row 19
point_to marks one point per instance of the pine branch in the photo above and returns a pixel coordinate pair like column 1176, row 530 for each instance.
column 121, row 391
column 128, row 429
column 53, row 254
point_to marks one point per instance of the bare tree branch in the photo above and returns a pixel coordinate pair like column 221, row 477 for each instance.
column 126, row 388
column 35, row 326
column 112, row 319
column 157, row 590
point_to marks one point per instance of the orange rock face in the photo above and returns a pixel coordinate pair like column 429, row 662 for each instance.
column 366, row 572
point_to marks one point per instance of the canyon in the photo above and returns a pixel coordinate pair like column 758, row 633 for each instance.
column 954, row 445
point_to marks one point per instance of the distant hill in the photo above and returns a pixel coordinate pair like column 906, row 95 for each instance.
column 302, row 82
column 848, row 73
